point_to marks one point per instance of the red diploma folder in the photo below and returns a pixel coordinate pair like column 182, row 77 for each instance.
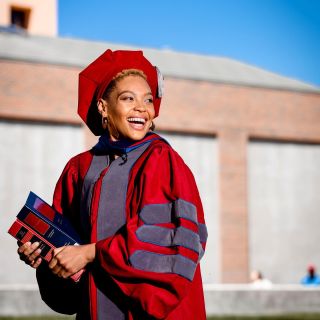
column 39, row 222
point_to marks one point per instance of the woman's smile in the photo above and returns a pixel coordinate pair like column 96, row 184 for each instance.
column 137, row 123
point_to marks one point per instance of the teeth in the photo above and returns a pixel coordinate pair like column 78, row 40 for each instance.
column 141, row 120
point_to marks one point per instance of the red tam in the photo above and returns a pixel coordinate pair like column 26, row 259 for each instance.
column 95, row 78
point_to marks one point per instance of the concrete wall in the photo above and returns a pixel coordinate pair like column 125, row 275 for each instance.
column 200, row 154
column 32, row 158
column 220, row 300
column 240, row 300
column 22, row 300
column 284, row 206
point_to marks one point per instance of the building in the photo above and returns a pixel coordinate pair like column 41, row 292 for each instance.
column 35, row 17
column 251, row 137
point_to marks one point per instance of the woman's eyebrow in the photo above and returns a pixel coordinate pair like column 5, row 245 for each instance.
column 132, row 92
column 125, row 91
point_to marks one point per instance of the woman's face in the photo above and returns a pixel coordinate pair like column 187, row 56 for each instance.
column 129, row 109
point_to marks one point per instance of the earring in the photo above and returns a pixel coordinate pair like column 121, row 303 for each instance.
column 104, row 122
column 152, row 126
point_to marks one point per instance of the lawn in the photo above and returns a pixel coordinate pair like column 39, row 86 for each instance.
column 282, row 317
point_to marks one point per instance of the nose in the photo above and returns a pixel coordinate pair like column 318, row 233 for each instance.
column 140, row 106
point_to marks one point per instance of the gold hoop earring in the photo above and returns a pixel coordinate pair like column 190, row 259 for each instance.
column 152, row 126
column 104, row 122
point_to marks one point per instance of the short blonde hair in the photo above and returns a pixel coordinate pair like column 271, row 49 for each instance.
column 121, row 75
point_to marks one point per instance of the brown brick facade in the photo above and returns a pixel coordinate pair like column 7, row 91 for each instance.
column 38, row 92
column 233, row 114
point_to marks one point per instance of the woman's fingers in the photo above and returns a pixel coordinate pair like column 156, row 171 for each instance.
column 54, row 260
column 22, row 248
column 35, row 254
column 36, row 263
column 29, row 253
column 54, row 264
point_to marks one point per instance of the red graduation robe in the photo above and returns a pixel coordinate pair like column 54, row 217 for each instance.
column 145, row 215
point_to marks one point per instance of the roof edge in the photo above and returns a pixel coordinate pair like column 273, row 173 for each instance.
column 190, row 66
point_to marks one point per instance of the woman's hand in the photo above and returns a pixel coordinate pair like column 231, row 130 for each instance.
column 29, row 253
column 68, row 260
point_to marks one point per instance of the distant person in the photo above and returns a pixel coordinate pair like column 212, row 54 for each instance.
column 311, row 278
column 258, row 281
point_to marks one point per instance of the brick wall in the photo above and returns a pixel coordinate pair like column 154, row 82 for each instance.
column 38, row 92
column 233, row 113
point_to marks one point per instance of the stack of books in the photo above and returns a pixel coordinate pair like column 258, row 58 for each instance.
column 37, row 221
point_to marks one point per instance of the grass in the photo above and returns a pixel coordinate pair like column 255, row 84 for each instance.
column 276, row 317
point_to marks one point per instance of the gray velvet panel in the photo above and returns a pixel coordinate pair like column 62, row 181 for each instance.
column 162, row 263
column 112, row 216
column 169, row 237
column 98, row 164
column 203, row 233
column 186, row 210
column 156, row 213
column 166, row 212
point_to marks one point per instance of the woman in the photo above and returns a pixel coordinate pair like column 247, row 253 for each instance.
column 134, row 202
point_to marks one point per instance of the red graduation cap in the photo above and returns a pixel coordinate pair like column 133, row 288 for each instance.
column 95, row 78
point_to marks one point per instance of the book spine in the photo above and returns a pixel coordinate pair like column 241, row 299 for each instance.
column 24, row 233
column 52, row 223
column 51, row 216
column 42, row 226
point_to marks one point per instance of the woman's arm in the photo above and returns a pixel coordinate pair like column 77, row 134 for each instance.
column 153, row 259
column 68, row 260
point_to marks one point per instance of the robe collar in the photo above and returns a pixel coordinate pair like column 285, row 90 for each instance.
column 121, row 147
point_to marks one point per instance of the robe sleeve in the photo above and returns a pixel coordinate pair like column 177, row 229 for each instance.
column 153, row 259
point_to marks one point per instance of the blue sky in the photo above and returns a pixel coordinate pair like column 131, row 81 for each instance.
column 282, row 36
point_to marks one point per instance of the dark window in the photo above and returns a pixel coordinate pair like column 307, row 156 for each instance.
column 20, row 17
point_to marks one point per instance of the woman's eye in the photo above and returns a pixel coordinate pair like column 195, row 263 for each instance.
column 150, row 100
column 127, row 98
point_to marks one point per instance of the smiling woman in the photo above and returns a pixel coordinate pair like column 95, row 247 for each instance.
column 127, row 106
column 134, row 202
